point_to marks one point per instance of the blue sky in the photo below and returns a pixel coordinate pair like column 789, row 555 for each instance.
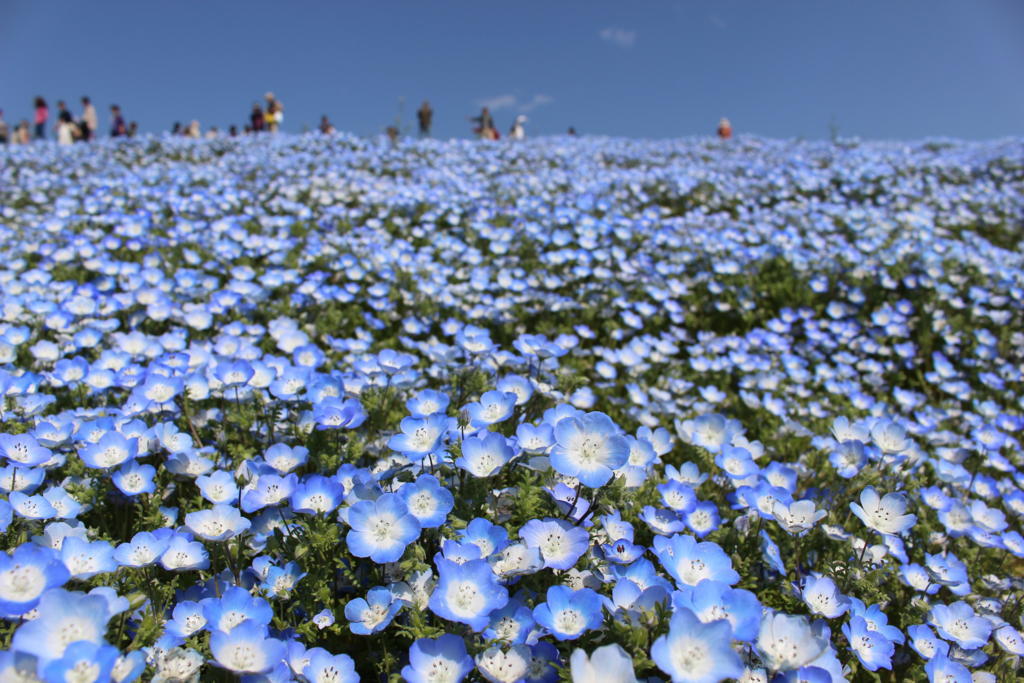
column 784, row 68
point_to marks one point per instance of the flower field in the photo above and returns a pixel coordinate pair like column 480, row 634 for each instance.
column 326, row 409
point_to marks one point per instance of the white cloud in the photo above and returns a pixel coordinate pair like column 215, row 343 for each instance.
column 499, row 102
column 619, row 37
column 537, row 101
column 509, row 101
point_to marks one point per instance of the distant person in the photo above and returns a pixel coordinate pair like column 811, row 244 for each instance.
column 118, row 128
column 89, row 122
column 62, row 111
column 392, row 133
column 485, row 125
column 192, row 131
column 571, row 131
column 41, row 116
column 176, row 128
column 133, row 129
column 213, row 133
column 518, row 131
column 233, row 131
column 724, row 129
column 256, row 119
column 326, row 127
column 275, row 112
column 425, row 115
column 67, row 131
column 5, row 132
column 21, row 133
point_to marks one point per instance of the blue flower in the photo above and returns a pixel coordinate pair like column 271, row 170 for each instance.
column 324, row 667
column 26, row 575
column 466, row 593
column 86, row 559
column 690, row 562
column 270, row 490
column 606, row 664
column 872, row 648
column 714, row 600
column 567, row 614
column 822, row 596
column 373, row 613
column 64, row 618
column 484, row 457
column 218, row 487
column 428, row 501
column 589, row 448
column 884, row 515
column 236, row 606
column 144, row 549
column 184, row 554
column 381, row 528
column 941, row 668
column 695, row 652
column 246, row 649
column 959, row 623
column 420, row 437
column 493, row 407
column 788, row 642
column 94, row 659
column 23, row 450
column 220, row 523
column 134, row 478
column 317, row 495
column 560, row 544
column 440, row 659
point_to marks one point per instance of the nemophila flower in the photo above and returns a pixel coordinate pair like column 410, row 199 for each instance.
column 420, row 437
column 466, row 593
column 848, row 458
column 889, row 436
column 86, row 559
column 128, row 667
column 512, row 623
column 337, row 414
column 678, row 496
column 427, row 500
column 621, row 551
column 23, row 450
column 484, row 457
column 925, row 642
column 693, row 651
column 284, row 458
column 64, row 618
column 144, row 549
column 187, row 618
column 991, row 520
column 942, row 668
column 797, row 517
column 184, row 554
column 946, row 569
column 956, row 518
column 711, row 432
column 500, row 665
column 606, row 664
column 535, row 439
column 218, row 523
column 485, row 535
column 917, row 577
column 567, row 614
column 86, row 662
column 493, row 407
column 703, row 518
column 560, row 543
column 381, row 528
column 873, row 649
column 711, row 601
column 270, row 490
column 323, row 667
column 22, row 479
column 440, row 660
column 427, row 402
column 958, row 622
column 159, row 389
column 323, row 619
column 134, row 478
column 31, row 507
column 236, row 606
column 111, row 450
column 518, row 385
column 884, row 515
column 787, row 642
column 246, row 649
column 317, row 494
column 1009, row 640
column 25, row 575
column 822, row 596
column 662, row 522
column 218, row 487
column 875, row 619
column 690, row 562
column 374, row 612
column 589, row 448
column 736, row 462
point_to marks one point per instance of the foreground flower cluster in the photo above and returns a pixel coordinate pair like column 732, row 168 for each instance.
column 593, row 410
